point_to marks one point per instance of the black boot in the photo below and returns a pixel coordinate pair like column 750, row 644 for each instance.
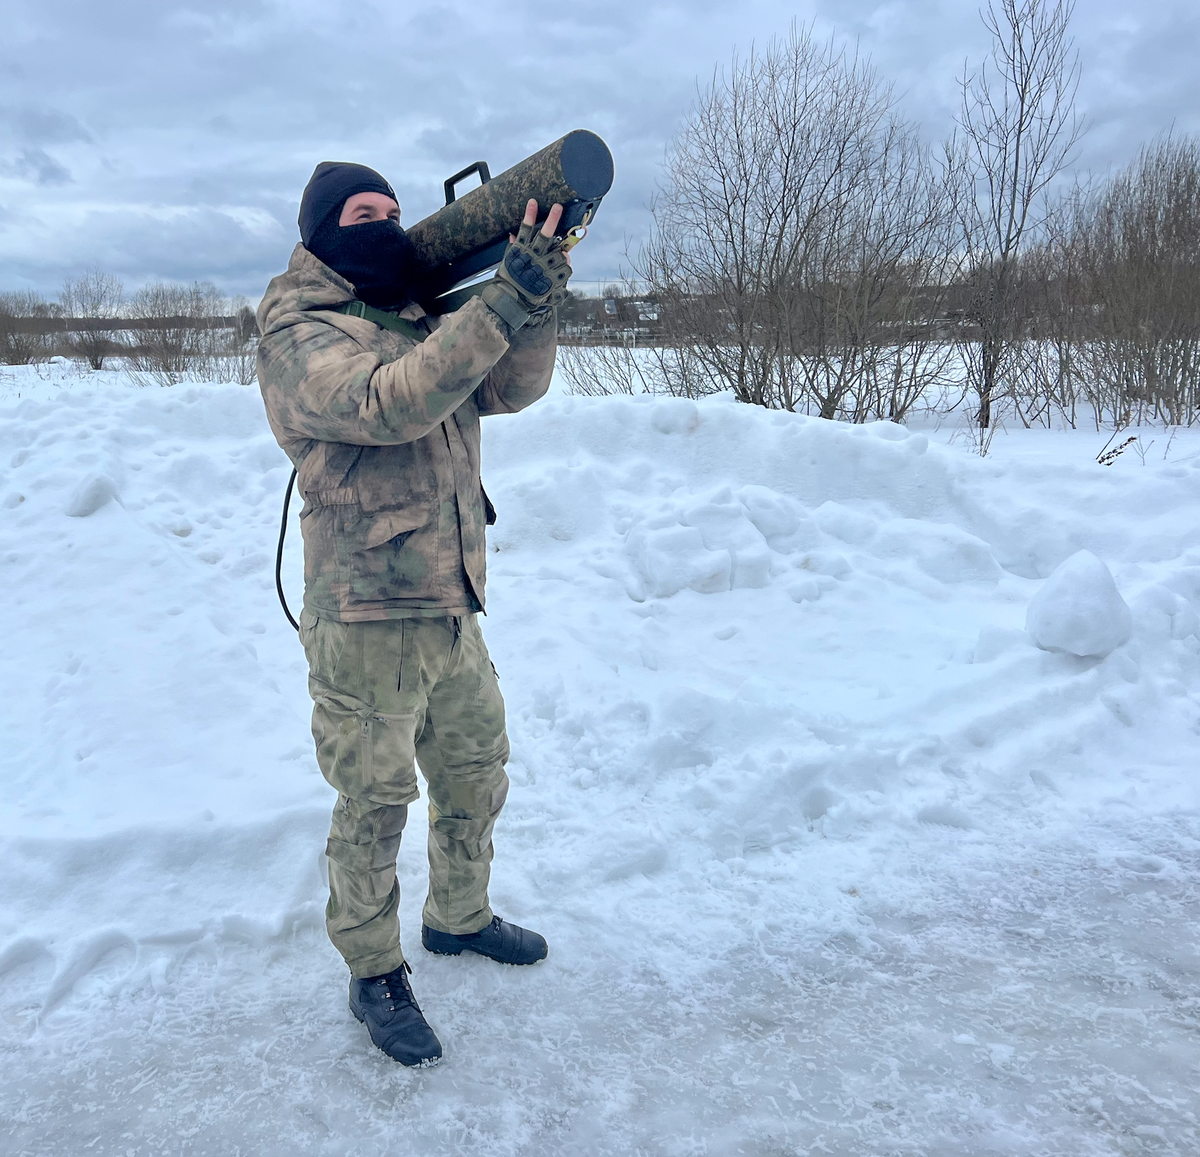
column 385, row 1004
column 508, row 943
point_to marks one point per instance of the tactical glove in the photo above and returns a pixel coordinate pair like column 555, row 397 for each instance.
column 532, row 275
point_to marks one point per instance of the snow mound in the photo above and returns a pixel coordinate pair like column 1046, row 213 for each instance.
column 788, row 778
column 91, row 494
column 1079, row 609
column 716, row 543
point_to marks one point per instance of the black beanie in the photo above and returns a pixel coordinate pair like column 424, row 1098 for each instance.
column 329, row 186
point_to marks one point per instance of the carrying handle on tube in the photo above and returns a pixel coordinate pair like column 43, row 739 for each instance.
column 480, row 167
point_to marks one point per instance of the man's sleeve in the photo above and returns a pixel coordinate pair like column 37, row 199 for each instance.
column 523, row 375
column 318, row 382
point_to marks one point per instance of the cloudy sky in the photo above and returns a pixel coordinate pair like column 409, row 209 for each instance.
column 155, row 139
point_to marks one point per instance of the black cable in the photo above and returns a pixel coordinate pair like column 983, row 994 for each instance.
column 287, row 501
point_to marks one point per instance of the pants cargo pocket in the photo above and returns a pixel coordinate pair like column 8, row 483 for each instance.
column 364, row 894
column 363, row 753
column 389, row 757
column 362, row 848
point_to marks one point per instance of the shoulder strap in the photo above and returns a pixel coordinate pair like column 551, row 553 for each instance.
column 417, row 331
column 414, row 331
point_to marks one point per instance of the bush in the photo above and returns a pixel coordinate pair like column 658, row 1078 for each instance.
column 21, row 342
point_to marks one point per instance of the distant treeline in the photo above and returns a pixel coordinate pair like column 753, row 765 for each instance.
column 58, row 323
column 168, row 331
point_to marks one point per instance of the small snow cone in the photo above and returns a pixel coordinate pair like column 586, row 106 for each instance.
column 1079, row 609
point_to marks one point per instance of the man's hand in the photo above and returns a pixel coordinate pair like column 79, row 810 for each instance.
column 534, row 264
column 534, row 271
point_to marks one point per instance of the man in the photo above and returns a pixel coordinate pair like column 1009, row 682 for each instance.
column 378, row 407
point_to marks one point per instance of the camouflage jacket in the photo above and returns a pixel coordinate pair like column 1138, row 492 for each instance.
column 384, row 434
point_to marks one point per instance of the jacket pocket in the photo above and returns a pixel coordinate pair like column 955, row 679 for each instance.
column 383, row 527
column 388, row 555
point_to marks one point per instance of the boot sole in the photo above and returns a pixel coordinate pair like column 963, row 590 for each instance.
column 449, row 951
column 485, row 955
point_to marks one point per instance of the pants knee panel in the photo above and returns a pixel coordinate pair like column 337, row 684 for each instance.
column 466, row 811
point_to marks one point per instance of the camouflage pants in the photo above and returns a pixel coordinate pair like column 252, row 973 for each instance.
column 388, row 694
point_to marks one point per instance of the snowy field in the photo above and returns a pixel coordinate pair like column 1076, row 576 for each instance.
column 831, row 857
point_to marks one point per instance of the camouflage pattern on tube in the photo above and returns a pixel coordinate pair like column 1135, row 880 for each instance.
column 575, row 171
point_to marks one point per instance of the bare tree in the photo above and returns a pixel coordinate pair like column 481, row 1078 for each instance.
column 610, row 363
column 245, row 324
column 92, row 298
column 603, row 368
column 183, row 329
column 1051, row 294
column 1017, row 131
column 866, row 344
column 22, row 338
column 1138, row 240
column 798, row 212
column 239, row 361
column 751, row 179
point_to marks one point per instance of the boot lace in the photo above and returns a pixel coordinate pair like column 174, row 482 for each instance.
column 397, row 980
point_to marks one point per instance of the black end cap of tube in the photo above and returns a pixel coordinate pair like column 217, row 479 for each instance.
column 587, row 165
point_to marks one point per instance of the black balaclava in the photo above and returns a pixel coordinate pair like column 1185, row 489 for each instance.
column 377, row 258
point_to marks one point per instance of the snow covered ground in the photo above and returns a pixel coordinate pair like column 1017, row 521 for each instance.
column 831, row 857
